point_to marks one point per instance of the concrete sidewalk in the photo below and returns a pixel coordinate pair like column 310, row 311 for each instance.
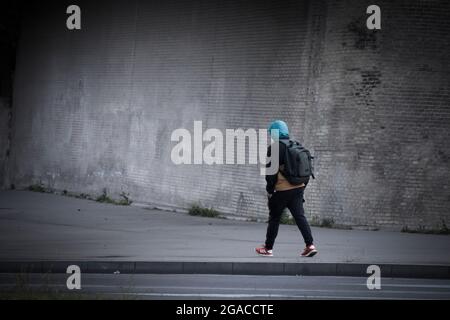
column 45, row 228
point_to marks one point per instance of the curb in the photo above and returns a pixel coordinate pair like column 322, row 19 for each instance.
column 230, row 268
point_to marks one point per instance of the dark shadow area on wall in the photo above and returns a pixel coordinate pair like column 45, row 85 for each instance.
column 10, row 17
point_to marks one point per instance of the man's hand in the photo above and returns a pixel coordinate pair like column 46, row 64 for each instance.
column 269, row 195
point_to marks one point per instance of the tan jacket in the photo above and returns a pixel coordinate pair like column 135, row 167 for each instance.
column 283, row 185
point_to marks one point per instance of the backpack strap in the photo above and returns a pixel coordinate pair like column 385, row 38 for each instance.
column 289, row 143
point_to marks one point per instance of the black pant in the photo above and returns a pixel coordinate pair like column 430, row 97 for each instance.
column 293, row 200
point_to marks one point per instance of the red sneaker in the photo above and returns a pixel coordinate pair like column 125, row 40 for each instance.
column 310, row 251
column 262, row 251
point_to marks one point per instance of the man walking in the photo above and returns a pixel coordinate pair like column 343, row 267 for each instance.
column 286, row 187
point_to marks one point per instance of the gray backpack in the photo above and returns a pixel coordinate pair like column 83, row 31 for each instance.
column 298, row 163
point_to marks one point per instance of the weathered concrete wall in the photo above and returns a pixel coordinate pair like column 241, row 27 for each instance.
column 95, row 108
column 380, row 117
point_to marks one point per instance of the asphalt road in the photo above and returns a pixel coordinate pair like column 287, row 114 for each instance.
column 149, row 286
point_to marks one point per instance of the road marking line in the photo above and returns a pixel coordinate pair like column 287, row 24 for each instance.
column 242, row 296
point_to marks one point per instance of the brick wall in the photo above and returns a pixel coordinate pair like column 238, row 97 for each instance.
column 380, row 117
column 95, row 108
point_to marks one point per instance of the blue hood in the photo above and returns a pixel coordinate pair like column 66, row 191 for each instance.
column 282, row 128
